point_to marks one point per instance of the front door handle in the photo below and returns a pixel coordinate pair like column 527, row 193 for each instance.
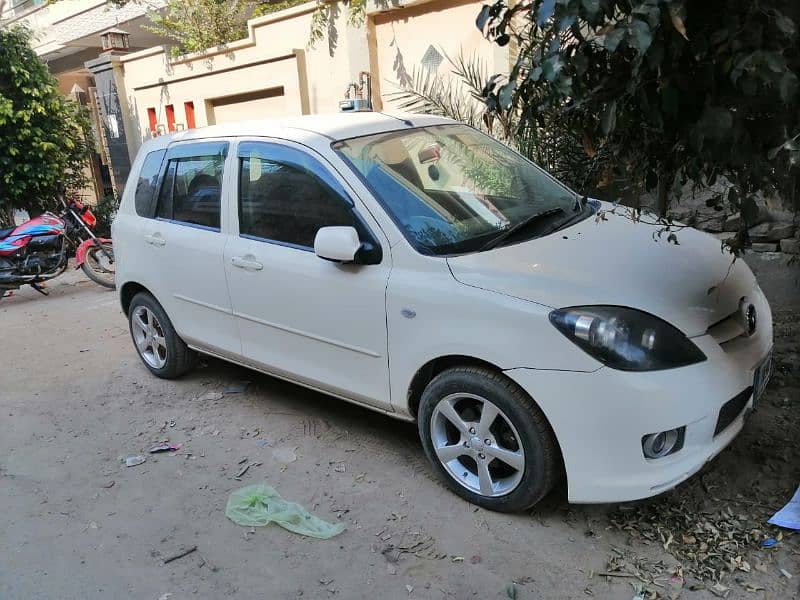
column 155, row 240
column 246, row 262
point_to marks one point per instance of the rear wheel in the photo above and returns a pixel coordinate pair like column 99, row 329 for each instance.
column 487, row 439
column 161, row 349
column 99, row 265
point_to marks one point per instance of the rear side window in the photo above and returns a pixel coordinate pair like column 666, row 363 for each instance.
column 146, row 186
column 191, row 189
column 283, row 197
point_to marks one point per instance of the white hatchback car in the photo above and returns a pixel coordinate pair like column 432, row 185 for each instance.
column 415, row 266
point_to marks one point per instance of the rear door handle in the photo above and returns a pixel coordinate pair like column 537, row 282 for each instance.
column 155, row 240
column 246, row 262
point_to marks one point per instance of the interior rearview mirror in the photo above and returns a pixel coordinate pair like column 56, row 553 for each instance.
column 430, row 154
column 339, row 244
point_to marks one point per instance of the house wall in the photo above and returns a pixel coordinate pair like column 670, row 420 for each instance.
column 419, row 38
column 269, row 74
column 62, row 27
column 66, row 34
column 273, row 72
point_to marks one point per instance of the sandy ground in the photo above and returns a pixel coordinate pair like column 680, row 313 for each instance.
column 76, row 523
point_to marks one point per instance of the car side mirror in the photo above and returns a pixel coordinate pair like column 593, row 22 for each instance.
column 339, row 244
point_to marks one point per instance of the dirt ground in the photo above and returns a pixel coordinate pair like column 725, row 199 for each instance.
column 77, row 524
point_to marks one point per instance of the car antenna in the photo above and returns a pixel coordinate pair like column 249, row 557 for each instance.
column 402, row 120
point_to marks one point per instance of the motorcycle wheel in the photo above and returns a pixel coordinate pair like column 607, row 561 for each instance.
column 98, row 268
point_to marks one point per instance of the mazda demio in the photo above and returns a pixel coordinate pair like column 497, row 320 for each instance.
column 415, row 266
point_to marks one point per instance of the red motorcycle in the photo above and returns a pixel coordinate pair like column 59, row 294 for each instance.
column 39, row 249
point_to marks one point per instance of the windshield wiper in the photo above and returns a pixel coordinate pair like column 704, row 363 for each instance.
column 496, row 241
column 578, row 216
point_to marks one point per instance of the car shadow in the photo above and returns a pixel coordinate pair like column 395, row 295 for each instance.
column 395, row 436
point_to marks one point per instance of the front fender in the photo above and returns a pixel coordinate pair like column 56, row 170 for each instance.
column 80, row 253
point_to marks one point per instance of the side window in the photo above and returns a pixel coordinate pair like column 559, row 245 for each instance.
column 146, row 186
column 165, row 196
column 191, row 189
column 282, row 198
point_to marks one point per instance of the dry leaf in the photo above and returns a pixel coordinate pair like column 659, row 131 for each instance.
column 719, row 590
column 678, row 24
column 744, row 566
column 668, row 542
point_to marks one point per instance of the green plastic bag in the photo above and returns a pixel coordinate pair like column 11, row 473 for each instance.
column 258, row 505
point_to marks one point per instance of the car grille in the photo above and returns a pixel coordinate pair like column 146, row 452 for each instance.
column 732, row 409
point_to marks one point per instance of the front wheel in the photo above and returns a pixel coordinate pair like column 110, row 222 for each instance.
column 487, row 439
column 99, row 265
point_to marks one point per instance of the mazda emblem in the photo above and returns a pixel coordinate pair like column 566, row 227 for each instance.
column 748, row 316
column 752, row 319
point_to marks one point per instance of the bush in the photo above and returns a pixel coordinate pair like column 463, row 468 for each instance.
column 660, row 92
column 45, row 138
column 105, row 210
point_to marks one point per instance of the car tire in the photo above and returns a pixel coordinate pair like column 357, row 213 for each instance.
column 157, row 343
column 464, row 454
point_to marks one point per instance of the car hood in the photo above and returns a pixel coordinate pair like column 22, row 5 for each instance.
column 616, row 261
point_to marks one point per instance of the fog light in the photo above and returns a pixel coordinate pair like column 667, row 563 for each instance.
column 663, row 443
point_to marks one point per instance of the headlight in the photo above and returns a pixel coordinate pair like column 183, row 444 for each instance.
column 626, row 339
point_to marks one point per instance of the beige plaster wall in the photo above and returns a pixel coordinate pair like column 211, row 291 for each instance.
column 403, row 36
column 273, row 56
column 314, row 79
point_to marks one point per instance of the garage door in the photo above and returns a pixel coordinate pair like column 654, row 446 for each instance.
column 261, row 104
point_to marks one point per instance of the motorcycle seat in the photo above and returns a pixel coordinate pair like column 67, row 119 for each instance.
column 4, row 233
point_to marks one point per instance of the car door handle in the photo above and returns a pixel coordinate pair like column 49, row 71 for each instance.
column 155, row 240
column 246, row 262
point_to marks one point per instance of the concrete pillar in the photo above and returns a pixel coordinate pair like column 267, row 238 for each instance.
column 115, row 115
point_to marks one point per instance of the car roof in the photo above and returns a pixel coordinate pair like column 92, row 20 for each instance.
column 334, row 126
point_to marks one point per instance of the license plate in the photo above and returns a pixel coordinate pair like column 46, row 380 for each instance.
column 761, row 378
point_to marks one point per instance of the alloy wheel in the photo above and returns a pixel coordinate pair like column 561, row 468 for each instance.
column 149, row 337
column 477, row 444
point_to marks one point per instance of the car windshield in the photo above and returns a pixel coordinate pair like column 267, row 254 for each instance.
column 451, row 189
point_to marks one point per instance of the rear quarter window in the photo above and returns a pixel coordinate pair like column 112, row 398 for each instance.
column 147, row 185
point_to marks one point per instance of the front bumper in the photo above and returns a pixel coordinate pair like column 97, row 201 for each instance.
column 599, row 418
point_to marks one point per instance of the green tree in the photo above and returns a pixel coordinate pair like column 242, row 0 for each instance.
column 196, row 25
column 323, row 22
column 658, row 93
column 45, row 138
column 265, row 7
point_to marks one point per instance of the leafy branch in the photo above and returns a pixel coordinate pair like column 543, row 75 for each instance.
column 658, row 93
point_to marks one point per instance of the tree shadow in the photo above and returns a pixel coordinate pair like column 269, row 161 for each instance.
column 164, row 97
column 334, row 11
column 404, row 78
column 133, row 114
